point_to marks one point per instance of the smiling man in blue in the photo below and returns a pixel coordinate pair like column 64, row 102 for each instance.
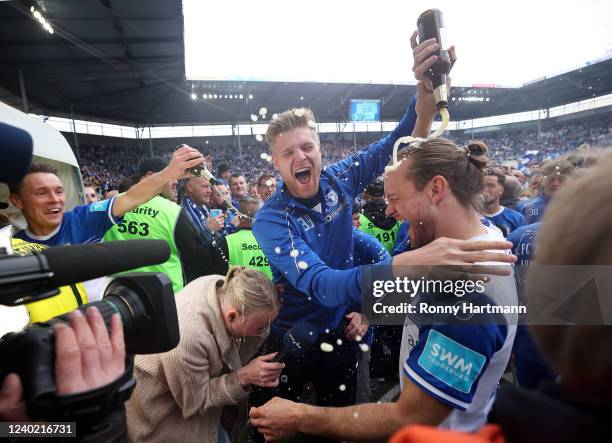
column 40, row 197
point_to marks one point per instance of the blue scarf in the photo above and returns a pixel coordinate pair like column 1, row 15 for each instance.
column 198, row 215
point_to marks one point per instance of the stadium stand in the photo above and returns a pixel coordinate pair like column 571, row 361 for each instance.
column 106, row 166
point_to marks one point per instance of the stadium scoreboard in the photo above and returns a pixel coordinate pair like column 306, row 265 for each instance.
column 365, row 110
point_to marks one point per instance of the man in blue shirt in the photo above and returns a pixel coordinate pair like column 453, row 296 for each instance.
column 504, row 218
column 554, row 174
column 531, row 366
column 402, row 244
column 40, row 197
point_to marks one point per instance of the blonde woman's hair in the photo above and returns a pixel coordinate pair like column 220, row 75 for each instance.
column 249, row 291
column 291, row 119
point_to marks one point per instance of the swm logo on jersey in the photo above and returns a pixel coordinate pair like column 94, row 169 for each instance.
column 450, row 362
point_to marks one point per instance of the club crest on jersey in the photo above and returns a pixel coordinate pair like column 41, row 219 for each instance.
column 331, row 198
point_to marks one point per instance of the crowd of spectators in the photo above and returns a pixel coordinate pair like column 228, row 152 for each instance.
column 105, row 166
column 552, row 142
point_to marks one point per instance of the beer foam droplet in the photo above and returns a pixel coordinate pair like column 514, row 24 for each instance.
column 326, row 347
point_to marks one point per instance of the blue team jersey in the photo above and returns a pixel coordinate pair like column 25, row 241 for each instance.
column 523, row 243
column 531, row 366
column 368, row 251
column 460, row 365
column 311, row 251
column 403, row 239
column 533, row 209
column 84, row 224
column 506, row 220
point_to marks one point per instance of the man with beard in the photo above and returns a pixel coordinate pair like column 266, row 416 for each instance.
column 373, row 220
column 505, row 219
column 554, row 174
column 449, row 372
column 307, row 234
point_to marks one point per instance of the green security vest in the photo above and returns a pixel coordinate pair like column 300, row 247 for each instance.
column 155, row 220
column 244, row 250
column 386, row 237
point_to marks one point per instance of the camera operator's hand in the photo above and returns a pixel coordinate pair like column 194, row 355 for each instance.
column 85, row 357
column 12, row 404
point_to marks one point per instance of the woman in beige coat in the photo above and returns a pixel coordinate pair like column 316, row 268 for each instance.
column 198, row 391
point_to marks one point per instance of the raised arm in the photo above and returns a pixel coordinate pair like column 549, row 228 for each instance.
column 143, row 191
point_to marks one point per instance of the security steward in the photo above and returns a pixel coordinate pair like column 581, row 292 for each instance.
column 373, row 220
column 241, row 248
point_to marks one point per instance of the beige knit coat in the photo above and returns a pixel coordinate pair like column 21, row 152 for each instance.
column 183, row 394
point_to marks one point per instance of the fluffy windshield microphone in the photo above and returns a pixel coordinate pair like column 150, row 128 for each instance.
column 298, row 340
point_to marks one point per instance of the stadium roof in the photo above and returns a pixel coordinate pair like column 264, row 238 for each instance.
column 123, row 62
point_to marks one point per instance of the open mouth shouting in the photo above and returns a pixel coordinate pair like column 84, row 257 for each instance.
column 303, row 175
